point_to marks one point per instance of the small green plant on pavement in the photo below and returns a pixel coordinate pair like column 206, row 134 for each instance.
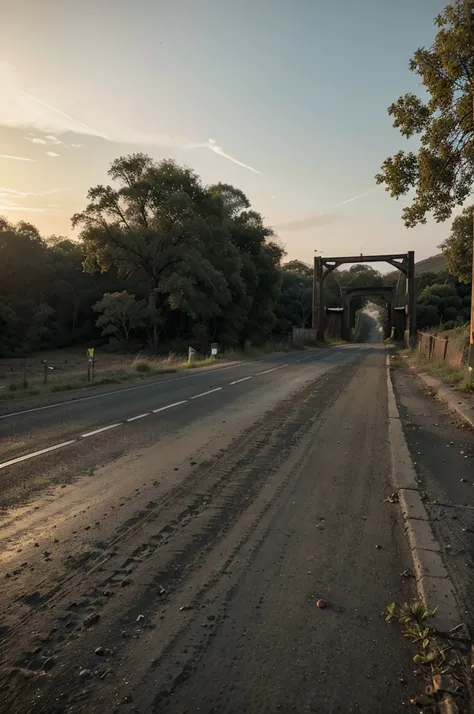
column 443, row 658
column 413, row 619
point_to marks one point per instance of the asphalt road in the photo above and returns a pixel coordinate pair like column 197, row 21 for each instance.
column 172, row 563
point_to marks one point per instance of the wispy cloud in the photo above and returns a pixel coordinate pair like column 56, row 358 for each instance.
column 13, row 200
column 322, row 218
column 22, row 109
column 15, row 158
column 315, row 219
column 26, row 194
column 214, row 146
column 52, row 139
column 23, row 209
column 53, row 154
column 48, row 139
column 356, row 198
column 35, row 140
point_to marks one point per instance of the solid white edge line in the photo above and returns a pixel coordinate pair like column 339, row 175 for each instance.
column 267, row 371
column 238, row 381
column 140, row 416
column 210, row 391
column 36, row 453
column 99, row 431
column 168, row 406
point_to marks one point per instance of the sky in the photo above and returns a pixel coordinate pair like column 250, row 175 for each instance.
column 285, row 99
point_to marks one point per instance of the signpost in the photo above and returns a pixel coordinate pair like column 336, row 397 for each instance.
column 46, row 368
column 90, row 364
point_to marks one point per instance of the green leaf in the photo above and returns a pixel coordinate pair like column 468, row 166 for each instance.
column 441, row 172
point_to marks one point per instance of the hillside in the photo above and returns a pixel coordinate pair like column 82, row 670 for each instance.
column 435, row 264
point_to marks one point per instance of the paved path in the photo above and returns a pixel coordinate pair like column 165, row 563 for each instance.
column 190, row 545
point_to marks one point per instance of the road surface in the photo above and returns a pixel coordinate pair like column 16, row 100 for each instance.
column 164, row 546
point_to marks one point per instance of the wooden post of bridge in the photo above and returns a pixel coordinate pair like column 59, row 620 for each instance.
column 318, row 299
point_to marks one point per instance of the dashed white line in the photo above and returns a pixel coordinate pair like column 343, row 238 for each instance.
column 169, row 406
column 99, row 431
column 210, row 391
column 238, row 381
column 307, row 357
column 33, row 454
column 140, row 416
column 36, row 453
column 267, row 371
column 118, row 392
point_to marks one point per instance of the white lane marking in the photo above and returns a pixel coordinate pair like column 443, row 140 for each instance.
column 168, row 406
column 267, row 371
column 308, row 357
column 140, row 416
column 127, row 389
column 99, row 431
column 238, row 381
column 131, row 389
column 36, row 453
column 210, row 391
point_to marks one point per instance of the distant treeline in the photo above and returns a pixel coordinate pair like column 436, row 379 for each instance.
column 163, row 261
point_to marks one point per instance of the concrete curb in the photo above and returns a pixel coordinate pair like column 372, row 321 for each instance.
column 433, row 584
column 449, row 396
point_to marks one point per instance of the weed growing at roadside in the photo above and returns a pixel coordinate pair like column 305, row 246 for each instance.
column 413, row 618
column 443, row 658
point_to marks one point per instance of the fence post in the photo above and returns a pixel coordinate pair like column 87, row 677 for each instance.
column 445, row 350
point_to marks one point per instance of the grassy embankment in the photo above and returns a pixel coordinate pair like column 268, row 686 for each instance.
column 25, row 378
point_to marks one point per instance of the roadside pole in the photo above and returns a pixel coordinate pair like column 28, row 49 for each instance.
column 90, row 363
column 470, row 19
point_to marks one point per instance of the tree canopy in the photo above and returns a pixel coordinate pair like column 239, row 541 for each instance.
column 163, row 261
column 161, row 257
column 457, row 248
column 442, row 170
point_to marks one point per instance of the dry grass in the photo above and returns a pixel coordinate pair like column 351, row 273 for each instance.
column 455, row 376
column 24, row 377
column 20, row 377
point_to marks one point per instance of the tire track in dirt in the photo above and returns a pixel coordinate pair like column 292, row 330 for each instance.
column 163, row 548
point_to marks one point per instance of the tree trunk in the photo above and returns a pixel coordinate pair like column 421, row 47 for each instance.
column 152, row 306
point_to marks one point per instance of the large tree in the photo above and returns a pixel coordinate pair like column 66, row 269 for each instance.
column 255, row 295
column 158, row 224
column 441, row 171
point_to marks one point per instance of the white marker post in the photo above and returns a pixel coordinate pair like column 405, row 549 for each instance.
column 90, row 364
